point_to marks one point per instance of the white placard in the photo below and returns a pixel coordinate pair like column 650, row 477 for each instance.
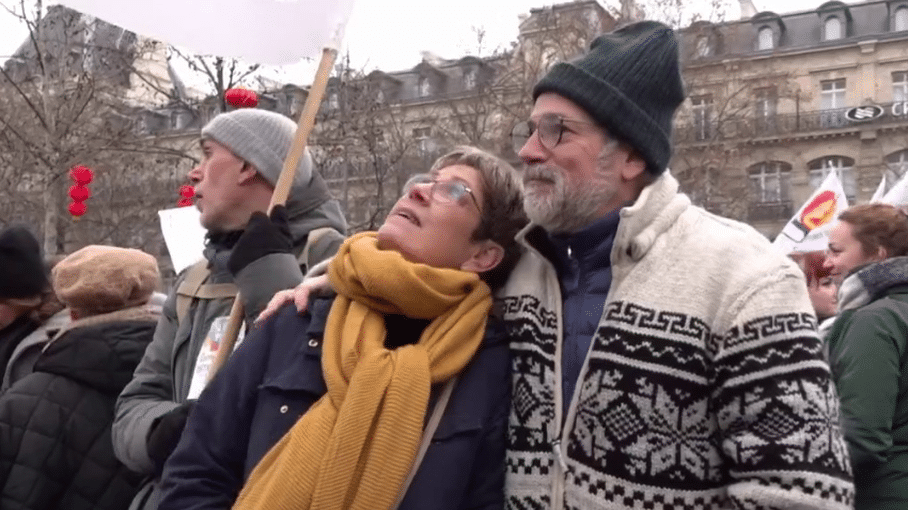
column 183, row 235
column 209, row 351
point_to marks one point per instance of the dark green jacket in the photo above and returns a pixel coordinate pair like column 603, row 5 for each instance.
column 868, row 350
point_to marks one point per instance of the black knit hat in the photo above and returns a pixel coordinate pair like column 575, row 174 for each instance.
column 630, row 83
column 22, row 274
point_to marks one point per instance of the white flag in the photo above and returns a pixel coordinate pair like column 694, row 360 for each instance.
column 880, row 191
column 262, row 31
column 898, row 195
column 808, row 230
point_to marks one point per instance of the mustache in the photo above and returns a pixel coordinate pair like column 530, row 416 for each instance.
column 540, row 172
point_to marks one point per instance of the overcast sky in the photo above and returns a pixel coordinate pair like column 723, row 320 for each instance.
column 391, row 34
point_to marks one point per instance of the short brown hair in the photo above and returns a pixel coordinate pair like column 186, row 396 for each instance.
column 502, row 215
column 878, row 225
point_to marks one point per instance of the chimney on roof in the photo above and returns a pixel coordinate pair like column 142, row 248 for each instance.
column 747, row 9
column 431, row 58
column 629, row 11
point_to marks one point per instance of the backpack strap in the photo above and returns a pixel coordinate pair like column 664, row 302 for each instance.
column 428, row 433
column 194, row 287
column 316, row 235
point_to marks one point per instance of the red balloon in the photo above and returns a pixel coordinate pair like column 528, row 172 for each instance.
column 79, row 193
column 82, row 175
column 187, row 191
column 241, row 98
column 184, row 202
column 77, row 208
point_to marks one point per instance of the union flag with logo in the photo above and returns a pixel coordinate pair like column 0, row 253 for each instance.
column 808, row 230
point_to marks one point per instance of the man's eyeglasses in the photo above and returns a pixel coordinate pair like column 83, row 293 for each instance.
column 550, row 126
column 446, row 192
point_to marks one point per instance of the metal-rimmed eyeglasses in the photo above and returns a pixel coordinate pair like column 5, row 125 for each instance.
column 446, row 192
column 551, row 128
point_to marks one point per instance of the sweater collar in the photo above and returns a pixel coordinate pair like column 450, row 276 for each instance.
column 655, row 211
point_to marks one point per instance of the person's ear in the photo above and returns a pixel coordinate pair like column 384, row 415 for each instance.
column 247, row 174
column 633, row 166
column 486, row 257
column 882, row 253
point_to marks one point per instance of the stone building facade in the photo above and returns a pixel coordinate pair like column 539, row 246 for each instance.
column 777, row 101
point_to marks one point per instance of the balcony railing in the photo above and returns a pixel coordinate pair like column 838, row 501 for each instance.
column 769, row 211
column 787, row 124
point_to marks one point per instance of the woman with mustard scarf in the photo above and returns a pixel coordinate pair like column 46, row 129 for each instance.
column 395, row 394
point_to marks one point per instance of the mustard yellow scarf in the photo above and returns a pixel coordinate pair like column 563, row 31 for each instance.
column 355, row 447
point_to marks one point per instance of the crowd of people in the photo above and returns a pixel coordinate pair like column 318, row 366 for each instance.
column 572, row 334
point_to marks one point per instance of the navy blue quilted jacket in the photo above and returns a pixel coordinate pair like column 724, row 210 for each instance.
column 583, row 262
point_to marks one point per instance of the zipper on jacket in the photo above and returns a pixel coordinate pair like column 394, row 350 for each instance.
column 559, row 455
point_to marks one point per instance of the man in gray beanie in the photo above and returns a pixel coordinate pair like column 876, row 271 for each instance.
column 243, row 152
column 663, row 357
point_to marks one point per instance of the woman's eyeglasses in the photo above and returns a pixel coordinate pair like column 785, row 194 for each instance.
column 550, row 126
column 447, row 192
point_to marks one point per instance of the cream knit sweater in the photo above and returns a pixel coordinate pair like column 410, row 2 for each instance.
column 705, row 386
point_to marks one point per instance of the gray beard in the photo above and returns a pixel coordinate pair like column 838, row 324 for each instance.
column 561, row 209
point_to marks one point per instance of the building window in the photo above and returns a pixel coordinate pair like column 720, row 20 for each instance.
column 423, row 139
column 703, row 46
column 771, row 182
column 469, row 79
column 380, row 97
column 424, row 87
column 897, row 164
column 844, row 168
column 899, row 87
column 832, row 103
column 333, row 101
column 765, row 39
column 701, row 107
column 901, row 19
column 765, row 110
column 832, row 29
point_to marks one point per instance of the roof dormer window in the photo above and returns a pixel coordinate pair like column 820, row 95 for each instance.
column 900, row 19
column 765, row 39
column 832, row 29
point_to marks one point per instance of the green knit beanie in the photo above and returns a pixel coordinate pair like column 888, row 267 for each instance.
column 261, row 138
column 630, row 83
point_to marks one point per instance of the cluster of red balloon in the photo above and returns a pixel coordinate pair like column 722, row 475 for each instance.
column 79, row 192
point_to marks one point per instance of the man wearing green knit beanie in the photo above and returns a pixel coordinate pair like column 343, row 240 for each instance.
column 663, row 357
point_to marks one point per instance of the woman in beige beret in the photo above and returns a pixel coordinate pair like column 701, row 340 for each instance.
column 55, row 444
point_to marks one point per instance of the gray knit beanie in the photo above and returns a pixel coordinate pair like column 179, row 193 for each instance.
column 261, row 138
column 630, row 82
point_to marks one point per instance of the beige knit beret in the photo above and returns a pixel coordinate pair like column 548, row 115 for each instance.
column 102, row 279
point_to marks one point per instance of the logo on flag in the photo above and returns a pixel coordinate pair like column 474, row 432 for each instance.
column 808, row 230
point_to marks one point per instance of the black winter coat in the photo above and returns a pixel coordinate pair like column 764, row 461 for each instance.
column 55, row 444
column 276, row 375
